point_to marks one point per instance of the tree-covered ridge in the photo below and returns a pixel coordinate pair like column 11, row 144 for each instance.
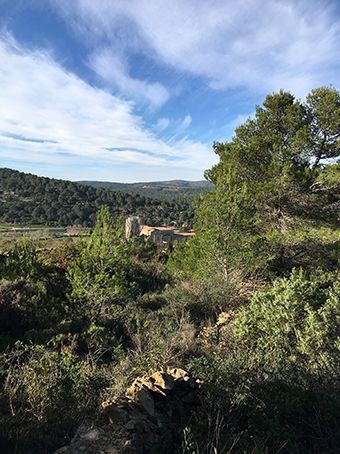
column 161, row 190
column 29, row 199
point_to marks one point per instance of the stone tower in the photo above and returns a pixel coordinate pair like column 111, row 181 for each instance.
column 132, row 227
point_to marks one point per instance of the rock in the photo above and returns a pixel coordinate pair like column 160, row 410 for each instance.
column 144, row 398
column 114, row 414
column 178, row 373
column 163, row 380
column 131, row 425
column 150, row 418
column 93, row 434
column 139, row 383
column 62, row 450
column 91, row 439
column 223, row 318
column 111, row 450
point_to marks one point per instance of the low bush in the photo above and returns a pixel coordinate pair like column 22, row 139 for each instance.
column 275, row 372
column 46, row 393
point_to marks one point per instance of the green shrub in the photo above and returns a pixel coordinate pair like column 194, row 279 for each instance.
column 45, row 395
column 98, row 275
column 294, row 325
column 273, row 376
column 22, row 262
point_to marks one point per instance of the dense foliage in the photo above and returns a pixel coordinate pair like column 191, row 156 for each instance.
column 250, row 305
column 276, row 202
column 28, row 199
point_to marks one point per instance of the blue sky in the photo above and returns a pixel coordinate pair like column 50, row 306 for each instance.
column 137, row 90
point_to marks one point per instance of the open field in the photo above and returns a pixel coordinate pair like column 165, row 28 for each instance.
column 43, row 236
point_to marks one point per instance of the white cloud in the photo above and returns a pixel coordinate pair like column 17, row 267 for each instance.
column 113, row 70
column 239, row 120
column 263, row 45
column 47, row 113
column 162, row 123
column 186, row 122
column 110, row 39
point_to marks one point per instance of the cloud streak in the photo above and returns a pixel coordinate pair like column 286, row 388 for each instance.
column 47, row 114
column 262, row 45
column 186, row 122
column 113, row 70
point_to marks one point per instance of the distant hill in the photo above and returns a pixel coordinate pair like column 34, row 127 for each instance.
column 29, row 199
column 164, row 190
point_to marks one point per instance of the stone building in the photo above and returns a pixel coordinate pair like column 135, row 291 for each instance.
column 165, row 235
column 160, row 236
column 132, row 227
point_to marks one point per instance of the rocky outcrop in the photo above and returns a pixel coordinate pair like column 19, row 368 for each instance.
column 148, row 419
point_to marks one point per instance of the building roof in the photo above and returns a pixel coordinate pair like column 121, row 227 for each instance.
column 146, row 230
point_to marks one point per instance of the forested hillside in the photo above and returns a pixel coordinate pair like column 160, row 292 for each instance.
column 28, row 199
column 161, row 190
column 228, row 343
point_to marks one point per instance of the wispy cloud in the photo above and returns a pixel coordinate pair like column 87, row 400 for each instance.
column 47, row 113
column 27, row 139
column 261, row 45
column 186, row 122
column 113, row 70
column 239, row 120
column 162, row 123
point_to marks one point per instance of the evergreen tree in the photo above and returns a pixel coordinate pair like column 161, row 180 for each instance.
column 97, row 274
column 265, row 185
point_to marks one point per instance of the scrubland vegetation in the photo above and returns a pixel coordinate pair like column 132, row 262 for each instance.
column 250, row 305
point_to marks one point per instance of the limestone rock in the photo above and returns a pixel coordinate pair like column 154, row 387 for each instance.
column 150, row 418
column 163, row 380
column 176, row 373
column 90, row 439
column 144, row 398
